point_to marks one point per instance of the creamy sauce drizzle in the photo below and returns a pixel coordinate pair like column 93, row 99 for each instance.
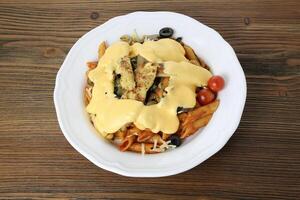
column 110, row 113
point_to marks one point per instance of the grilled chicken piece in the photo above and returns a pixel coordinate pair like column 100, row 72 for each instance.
column 145, row 74
column 144, row 77
column 126, row 76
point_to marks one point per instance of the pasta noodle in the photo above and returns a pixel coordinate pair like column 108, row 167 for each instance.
column 87, row 95
column 120, row 135
column 101, row 49
column 203, row 64
column 144, row 136
column 195, row 62
column 191, row 128
column 165, row 136
column 133, row 131
column 190, row 54
column 109, row 136
column 92, row 65
column 127, row 142
column 201, row 112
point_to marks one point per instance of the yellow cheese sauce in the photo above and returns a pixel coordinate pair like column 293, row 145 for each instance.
column 110, row 113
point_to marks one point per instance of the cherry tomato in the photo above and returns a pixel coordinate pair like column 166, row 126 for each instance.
column 216, row 83
column 205, row 96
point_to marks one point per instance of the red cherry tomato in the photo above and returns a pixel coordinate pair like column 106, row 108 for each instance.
column 216, row 83
column 205, row 96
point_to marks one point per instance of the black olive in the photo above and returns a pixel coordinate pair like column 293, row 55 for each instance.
column 166, row 32
column 182, row 110
column 179, row 39
column 175, row 140
column 198, row 89
column 179, row 109
column 155, row 84
column 133, row 62
column 89, row 82
column 117, row 87
column 117, row 92
column 151, row 90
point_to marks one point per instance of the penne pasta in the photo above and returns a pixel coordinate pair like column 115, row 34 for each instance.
column 120, row 135
column 101, row 49
column 182, row 117
column 127, row 142
column 86, row 100
column 133, row 131
column 189, row 53
column 87, row 95
column 203, row 64
column 199, row 123
column 191, row 128
column 201, row 112
column 109, row 136
column 195, row 62
column 144, row 135
column 165, row 136
column 92, row 64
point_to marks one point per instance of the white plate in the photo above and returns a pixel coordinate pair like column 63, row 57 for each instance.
column 207, row 43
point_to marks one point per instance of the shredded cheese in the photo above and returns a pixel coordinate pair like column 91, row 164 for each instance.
column 166, row 146
column 155, row 148
column 143, row 148
column 155, row 144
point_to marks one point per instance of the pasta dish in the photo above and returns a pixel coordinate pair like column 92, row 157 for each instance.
column 147, row 94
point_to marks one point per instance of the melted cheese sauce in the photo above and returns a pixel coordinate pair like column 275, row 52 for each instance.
column 110, row 113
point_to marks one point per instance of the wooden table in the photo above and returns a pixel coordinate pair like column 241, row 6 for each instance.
column 262, row 159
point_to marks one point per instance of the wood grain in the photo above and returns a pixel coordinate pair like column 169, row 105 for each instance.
column 261, row 161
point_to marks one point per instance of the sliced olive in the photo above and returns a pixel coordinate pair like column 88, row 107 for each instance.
column 175, row 140
column 166, row 32
column 182, row 110
column 150, row 98
column 179, row 39
column 117, row 86
column 152, row 102
column 133, row 62
column 89, row 82
column 155, row 84
column 179, row 109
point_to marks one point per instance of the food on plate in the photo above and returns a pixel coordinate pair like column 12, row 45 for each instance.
column 147, row 94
